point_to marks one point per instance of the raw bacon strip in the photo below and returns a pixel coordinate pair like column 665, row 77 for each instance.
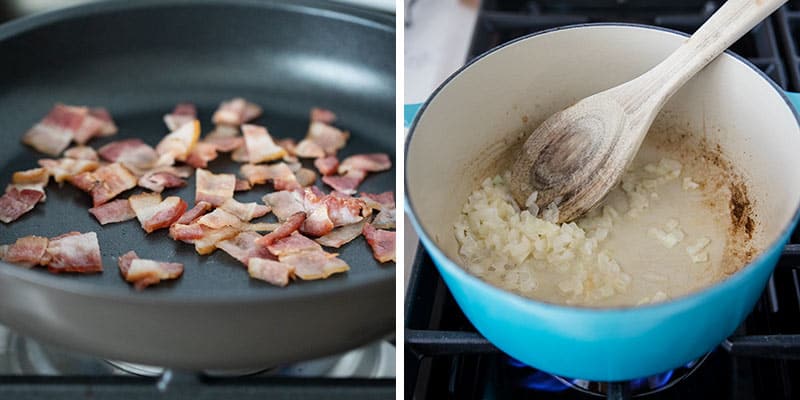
column 259, row 144
column 315, row 264
column 242, row 185
column 327, row 137
column 183, row 113
column 273, row 272
column 243, row 247
column 53, row 134
column 327, row 165
column 382, row 243
column 153, row 213
column 35, row 176
column 214, row 188
column 374, row 162
column 179, row 143
column 245, row 211
column 201, row 154
column 159, row 180
column 82, row 153
column 107, row 125
column 293, row 244
column 66, row 168
column 305, row 177
column 114, row 211
column 199, row 209
column 236, row 112
column 285, row 203
column 74, row 252
column 292, row 224
column 322, row 115
column 347, row 183
column 143, row 273
column 16, row 202
column 342, row 235
column 105, row 183
column 27, row 251
column 308, row 148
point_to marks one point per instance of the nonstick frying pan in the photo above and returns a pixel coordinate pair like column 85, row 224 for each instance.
column 138, row 59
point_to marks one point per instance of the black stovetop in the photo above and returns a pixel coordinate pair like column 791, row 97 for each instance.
column 445, row 357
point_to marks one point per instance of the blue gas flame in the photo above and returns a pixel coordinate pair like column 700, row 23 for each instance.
column 539, row 380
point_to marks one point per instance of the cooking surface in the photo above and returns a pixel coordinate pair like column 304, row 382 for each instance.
column 447, row 358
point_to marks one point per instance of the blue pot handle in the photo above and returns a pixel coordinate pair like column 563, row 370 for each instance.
column 410, row 112
column 794, row 98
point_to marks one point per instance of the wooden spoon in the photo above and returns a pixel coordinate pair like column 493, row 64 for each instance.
column 578, row 155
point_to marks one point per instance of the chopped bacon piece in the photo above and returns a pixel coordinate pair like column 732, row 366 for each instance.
column 27, row 251
column 245, row 211
column 208, row 242
column 385, row 219
column 225, row 144
column 82, row 153
column 240, row 155
column 292, row 244
column 379, row 201
column 259, row 144
column 159, row 180
column 328, row 137
column 65, row 168
column 105, row 183
column 242, row 185
column 322, row 115
column 143, row 273
column 280, row 174
column 153, row 213
column 345, row 210
column 288, row 144
column 199, row 209
column 219, row 218
column 236, row 112
column 224, row 131
column 315, row 264
column 113, row 211
column 285, row 203
column 243, row 247
column 327, row 165
column 292, row 224
column 374, row 162
column 318, row 222
column 201, row 154
column 74, row 252
column 308, row 148
column 382, row 243
column 270, row 271
column 187, row 232
column 134, row 154
column 347, row 183
column 305, row 177
column 183, row 113
column 35, row 176
column 179, row 143
column 16, row 202
column 63, row 124
column 214, row 188
column 342, row 235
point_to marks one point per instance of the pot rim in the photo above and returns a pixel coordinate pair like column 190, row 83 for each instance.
column 681, row 302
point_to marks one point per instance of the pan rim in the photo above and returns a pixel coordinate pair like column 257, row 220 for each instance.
column 341, row 12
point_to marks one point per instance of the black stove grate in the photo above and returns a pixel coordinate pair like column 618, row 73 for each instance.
column 445, row 357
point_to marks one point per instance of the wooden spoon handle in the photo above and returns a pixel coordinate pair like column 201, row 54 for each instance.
column 729, row 23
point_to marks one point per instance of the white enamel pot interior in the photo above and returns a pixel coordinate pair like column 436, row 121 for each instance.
column 464, row 132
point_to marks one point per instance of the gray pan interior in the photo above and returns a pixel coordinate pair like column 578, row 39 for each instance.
column 138, row 60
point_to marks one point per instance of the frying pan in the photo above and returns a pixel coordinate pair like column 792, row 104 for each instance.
column 731, row 104
column 138, row 59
